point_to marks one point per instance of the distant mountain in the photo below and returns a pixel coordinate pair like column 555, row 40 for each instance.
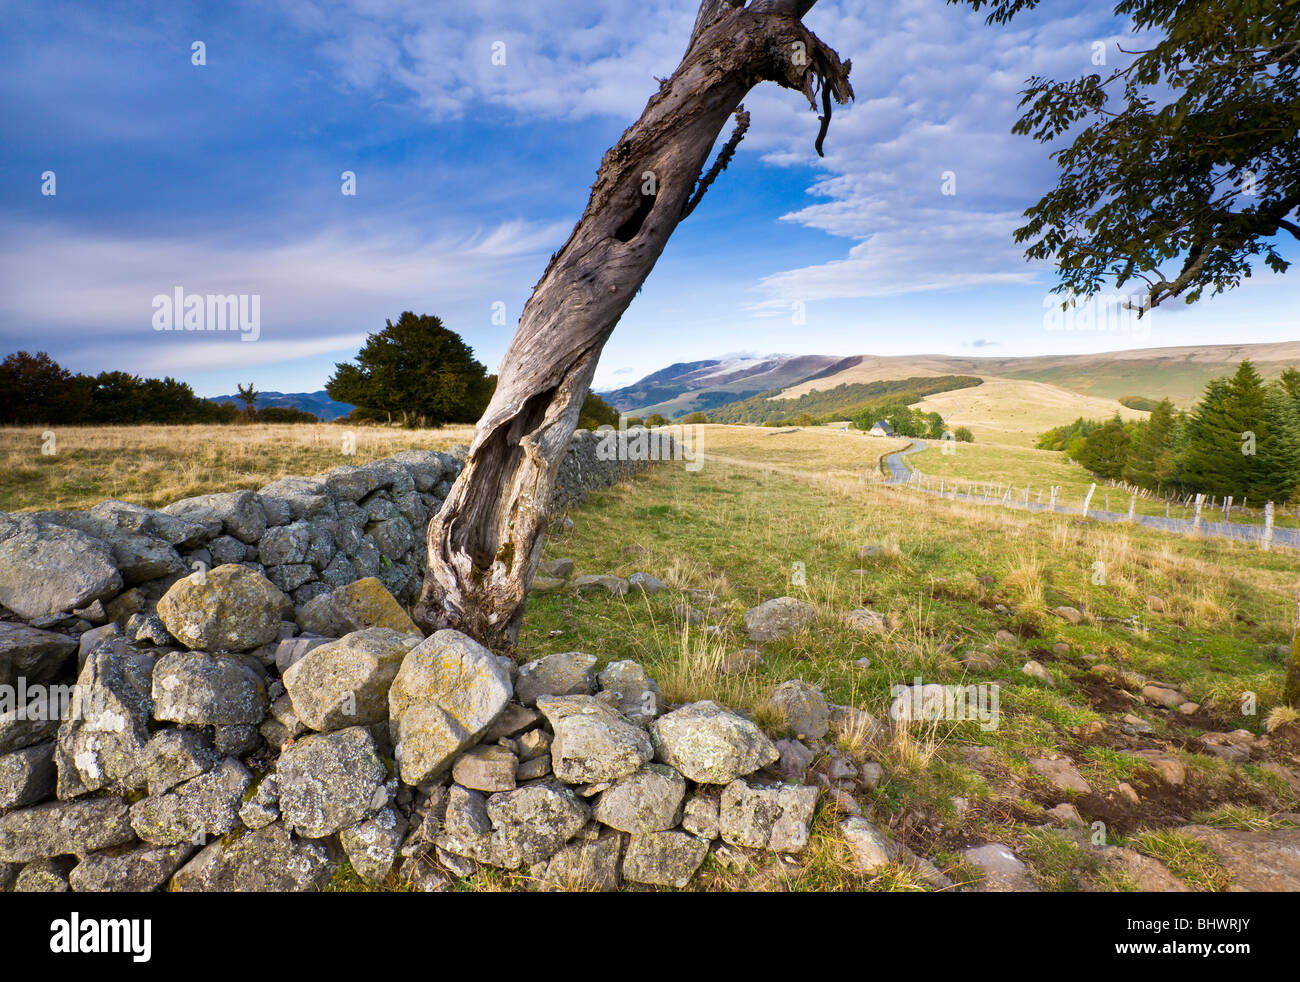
column 309, row 402
column 689, row 386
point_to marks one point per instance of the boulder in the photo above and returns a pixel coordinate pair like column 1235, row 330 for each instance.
column 587, row 865
column 198, row 689
column 262, row 807
column 329, row 781
column 373, row 845
column 802, row 710
column 779, row 618
column 566, row 674
column 615, row 586
column 638, row 695
column 777, row 818
column 1003, row 872
column 346, row 682
column 867, row 621
column 646, row 583
column 240, row 512
column 129, row 869
column 592, row 742
column 45, row 876
column 532, row 823
column 449, row 690
column 486, row 768
column 47, row 569
column 230, row 608
column 265, row 860
column 648, row 800
column 202, row 806
column 34, row 655
column 172, row 756
column 710, row 744
column 667, row 859
column 64, row 828
column 359, row 605
column 27, row 776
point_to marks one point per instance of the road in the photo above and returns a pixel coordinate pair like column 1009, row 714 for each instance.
column 1289, row 538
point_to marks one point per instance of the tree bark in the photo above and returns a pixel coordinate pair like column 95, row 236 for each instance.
column 485, row 542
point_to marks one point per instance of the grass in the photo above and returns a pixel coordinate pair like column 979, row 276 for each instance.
column 155, row 465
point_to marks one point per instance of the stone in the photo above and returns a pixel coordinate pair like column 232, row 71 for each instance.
column 45, row 876
column 1036, row 671
column 290, row 651
column 1172, row 771
column 531, row 770
column 101, row 744
column 867, row 621
column 1005, row 637
column 30, row 654
column 86, row 644
column 365, row 603
column 486, row 768
column 512, row 721
column 1234, row 746
column 30, row 724
column 236, row 740
column 977, row 660
column 372, row 845
column 776, row 818
column 615, row 586
column 449, row 690
column 779, row 618
column 646, row 583
column 27, row 776
column 1061, row 773
column 172, row 756
column 329, row 781
column 1163, row 695
column 559, row 568
column 230, row 608
column 1003, row 872
column 565, row 674
column 202, row 690
column 857, row 726
column 870, row 847
column 802, row 710
column 710, row 744
column 639, row 697
column 240, row 512
column 1258, row 861
column 346, row 682
column 1065, row 814
column 532, row 823
column 582, row 866
column 1071, row 615
column 46, row 569
column 129, row 868
column 667, row 859
column 262, row 807
column 269, row 860
column 64, row 828
column 795, row 760
column 592, row 741
column 648, row 800
column 700, row 815
column 546, row 584
column 202, row 806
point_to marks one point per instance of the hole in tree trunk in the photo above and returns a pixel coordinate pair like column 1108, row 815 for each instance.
column 628, row 230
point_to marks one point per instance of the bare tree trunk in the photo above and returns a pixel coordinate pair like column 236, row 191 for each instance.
column 485, row 542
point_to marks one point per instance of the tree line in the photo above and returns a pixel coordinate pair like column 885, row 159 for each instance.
column 1242, row 439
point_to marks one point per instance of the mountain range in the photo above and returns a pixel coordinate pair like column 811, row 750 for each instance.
column 319, row 403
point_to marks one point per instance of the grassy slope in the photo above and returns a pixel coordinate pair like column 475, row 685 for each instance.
column 155, row 465
column 737, row 528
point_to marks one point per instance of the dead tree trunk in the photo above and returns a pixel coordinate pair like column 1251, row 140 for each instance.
column 485, row 542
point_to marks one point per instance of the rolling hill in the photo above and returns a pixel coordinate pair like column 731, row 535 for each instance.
column 318, row 403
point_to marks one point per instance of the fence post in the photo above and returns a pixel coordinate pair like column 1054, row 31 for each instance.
column 1227, row 507
column 1087, row 500
column 1268, row 527
column 1196, row 521
column 1132, row 506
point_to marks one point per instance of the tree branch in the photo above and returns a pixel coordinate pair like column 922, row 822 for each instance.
column 719, row 165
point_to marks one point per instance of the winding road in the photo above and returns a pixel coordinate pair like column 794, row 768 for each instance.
column 1289, row 538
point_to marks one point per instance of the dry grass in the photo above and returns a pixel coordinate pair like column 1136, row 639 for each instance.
column 154, row 465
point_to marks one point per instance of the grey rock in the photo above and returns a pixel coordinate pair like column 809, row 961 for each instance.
column 329, row 781
column 778, row 818
column 204, row 805
column 486, row 768
column 613, row 585
column 649, row 800
column 449, row 690
column 290, row 650
column 778, row 618
column 1003, row 872
column 710, row 744
column 129, row 869
column 532, row 823
column 46, row 569
column 30, row 654
column 45, row 876
column 639, row 697
column 230, row 608
column 236, row 739
column 265, row 860
column 592, row 742
column 350, row 483
column 64, row 828
column 240, row 512
column 346, row 682
column 372, row 845
column 663, row 858
column 27, row 725
column 27, row 776
column 565, row 674
column 582, row 865
column 700, row 815
column 305, row 497
column 262, row 807
column 93, row 637
column 226, row 549
column 199, row 689
column 802, row 709
column 647, row 583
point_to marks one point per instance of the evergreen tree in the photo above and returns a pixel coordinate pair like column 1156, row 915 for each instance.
column 1150, row 457
column 1105, row 451
column 1212, row 461
column 1277, row 459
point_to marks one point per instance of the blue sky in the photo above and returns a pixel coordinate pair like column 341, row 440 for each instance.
column 226, row 178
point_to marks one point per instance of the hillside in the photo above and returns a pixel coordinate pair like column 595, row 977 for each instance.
column 1179, row 373
column 842, row 401
column 689, row 386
